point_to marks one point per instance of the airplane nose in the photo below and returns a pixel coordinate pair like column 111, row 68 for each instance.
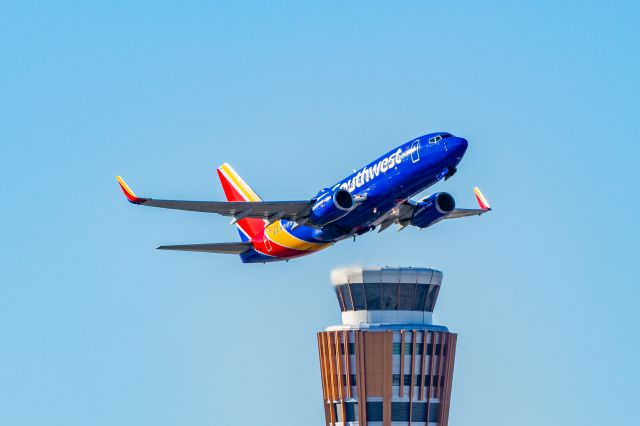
column 457, row 146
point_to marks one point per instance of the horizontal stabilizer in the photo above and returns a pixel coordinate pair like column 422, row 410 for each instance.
column 227, row 248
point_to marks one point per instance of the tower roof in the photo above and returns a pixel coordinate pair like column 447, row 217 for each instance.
column 385, row 274
column 385, row 295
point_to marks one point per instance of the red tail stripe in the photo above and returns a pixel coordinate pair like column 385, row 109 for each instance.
column 254, row 228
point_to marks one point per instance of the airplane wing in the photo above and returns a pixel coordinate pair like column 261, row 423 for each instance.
column 226, row 248
column 269, row 210
column 403, row 213
column 482, row 202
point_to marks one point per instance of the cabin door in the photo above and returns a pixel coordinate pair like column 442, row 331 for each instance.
column 415, row 151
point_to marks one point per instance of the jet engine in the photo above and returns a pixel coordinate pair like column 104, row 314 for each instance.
column 432, row 209
column 331, row 207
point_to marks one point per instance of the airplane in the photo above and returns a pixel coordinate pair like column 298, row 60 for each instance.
column 376, row 196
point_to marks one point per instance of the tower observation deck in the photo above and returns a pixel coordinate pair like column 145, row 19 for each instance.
column 387, row 363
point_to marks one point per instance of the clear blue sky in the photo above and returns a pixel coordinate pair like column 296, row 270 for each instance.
column 98, row 328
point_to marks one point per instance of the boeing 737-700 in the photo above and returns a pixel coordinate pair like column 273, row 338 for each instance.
column 376, row 196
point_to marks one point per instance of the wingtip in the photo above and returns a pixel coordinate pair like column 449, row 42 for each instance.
column 131, row 196
column 482, row 201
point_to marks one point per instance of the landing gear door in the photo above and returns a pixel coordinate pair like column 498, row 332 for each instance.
column 415, row 151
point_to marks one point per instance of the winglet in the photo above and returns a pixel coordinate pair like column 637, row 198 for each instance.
column 128, row 192
column 484, row 204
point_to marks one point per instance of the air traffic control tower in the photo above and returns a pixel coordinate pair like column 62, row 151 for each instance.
column 387, row 364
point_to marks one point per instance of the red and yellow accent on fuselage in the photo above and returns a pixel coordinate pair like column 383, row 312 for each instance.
column 272, row 240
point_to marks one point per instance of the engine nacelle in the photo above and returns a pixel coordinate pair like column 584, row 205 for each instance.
column 432, row 209
column 331, row 207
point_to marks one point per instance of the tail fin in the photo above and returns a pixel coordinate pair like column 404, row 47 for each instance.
column 236, row 189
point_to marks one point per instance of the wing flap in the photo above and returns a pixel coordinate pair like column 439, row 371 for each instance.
column 225, row 248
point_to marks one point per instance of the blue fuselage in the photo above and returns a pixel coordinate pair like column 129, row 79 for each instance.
column 422, row 164
column 382, row 185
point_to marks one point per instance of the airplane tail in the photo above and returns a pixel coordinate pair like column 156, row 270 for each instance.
column 236, row 189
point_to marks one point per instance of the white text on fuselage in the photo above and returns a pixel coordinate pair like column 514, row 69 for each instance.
column 369, row 173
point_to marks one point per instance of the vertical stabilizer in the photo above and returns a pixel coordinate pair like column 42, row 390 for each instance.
column 236, row 189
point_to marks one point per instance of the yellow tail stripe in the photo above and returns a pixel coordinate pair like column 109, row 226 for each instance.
column 239, row 183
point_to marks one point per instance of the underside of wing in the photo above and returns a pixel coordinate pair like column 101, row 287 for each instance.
column 456, row 213
column 413, row 213
column 226, row 248
column 401, row 214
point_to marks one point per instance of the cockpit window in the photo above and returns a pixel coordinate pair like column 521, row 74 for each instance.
column 438, row 138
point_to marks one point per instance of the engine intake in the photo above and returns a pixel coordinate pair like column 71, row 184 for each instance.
column 331, row 207
column 432, row 209
column 343, row 199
